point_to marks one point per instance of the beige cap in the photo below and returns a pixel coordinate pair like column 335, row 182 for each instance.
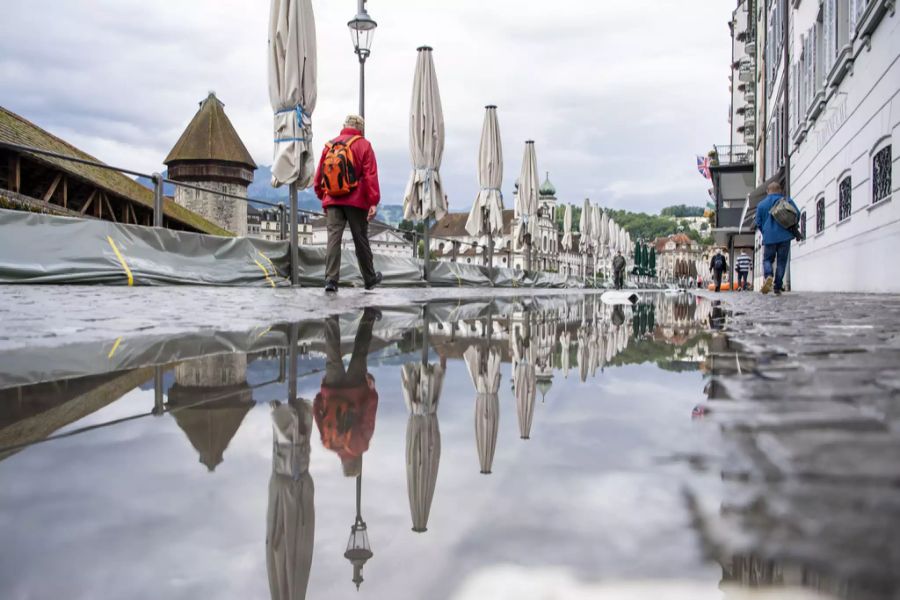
column 356, row 122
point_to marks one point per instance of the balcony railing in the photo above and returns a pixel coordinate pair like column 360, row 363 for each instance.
column 732, row 155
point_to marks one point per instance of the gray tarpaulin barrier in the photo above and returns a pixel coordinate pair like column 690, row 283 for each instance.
column 37, row 248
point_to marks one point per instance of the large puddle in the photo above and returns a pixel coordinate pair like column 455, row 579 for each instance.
column 526, row 448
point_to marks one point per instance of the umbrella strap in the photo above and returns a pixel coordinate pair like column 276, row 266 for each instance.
column 300, row 116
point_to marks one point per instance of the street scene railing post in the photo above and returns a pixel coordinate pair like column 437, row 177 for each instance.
column 157, row 200
column 294, row 243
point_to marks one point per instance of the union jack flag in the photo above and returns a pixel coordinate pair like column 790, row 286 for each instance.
column 703, row 166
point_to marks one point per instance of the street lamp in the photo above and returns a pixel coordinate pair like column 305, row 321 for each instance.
column 358, row 548
column 362, row 31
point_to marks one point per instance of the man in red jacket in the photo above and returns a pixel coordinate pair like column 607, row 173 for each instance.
column 347, row 402
column 355, row 205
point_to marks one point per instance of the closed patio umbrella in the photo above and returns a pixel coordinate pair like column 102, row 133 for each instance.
column 291, row 517
column 566, row 243
column 527, row 197
column 421, row 387
column 525, row 382
column 489, row 201
column 424, row 196
column 292, row 90
column 483, row 365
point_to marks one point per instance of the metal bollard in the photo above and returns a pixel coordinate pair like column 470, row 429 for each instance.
column 157, row 200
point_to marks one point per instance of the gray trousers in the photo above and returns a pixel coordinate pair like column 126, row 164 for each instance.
column 336, row 218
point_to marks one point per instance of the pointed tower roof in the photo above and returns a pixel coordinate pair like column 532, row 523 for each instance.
column 210, row 136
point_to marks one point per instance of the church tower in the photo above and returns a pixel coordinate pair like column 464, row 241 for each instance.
column 549, row 233
column 211, row 154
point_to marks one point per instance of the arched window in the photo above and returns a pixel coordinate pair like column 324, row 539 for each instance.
column 802, row 224
column 881, row 174
column 820, row 215
column 845, row 190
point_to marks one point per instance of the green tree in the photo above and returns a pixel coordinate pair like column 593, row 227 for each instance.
column 682, row 210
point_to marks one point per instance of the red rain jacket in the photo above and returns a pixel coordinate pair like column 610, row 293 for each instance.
column 346, row 418
column 367, row 194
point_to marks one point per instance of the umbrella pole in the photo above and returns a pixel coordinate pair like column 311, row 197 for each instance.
column 295, row 256
column 425, row 254
column 293, row 334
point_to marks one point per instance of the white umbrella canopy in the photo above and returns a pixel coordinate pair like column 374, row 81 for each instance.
column 565, row 343
column 597, row 229
column 290, row 518
column 567, row 228
column 525, row 383
column 584, row 224
column 490, row 178
column 604, row 228
column 623, row 240
column 484, row 369
column 424, row 196
column 421, row 385
column 583, row 355
column 292, row 90
column 527, row 197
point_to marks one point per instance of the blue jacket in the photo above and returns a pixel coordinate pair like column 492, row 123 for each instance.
column 772, row 231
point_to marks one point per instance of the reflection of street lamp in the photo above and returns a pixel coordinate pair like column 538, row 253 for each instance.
column 362, row 31
column 358, row 549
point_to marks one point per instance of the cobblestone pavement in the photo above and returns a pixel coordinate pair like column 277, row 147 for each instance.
column 806, row 389
column 36, row 316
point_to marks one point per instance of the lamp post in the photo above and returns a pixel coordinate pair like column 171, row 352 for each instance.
column 362, row 31
column 358, row 548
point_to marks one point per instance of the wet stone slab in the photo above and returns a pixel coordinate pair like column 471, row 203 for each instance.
column 808, row 408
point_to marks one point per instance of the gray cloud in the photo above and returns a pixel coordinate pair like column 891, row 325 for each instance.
column 618, row 96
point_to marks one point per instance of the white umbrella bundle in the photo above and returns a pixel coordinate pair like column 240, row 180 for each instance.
column 525, row 384
column 424, row 197
column 566, row 243
column 291, row 517
column 292, row 90
column 527, row 195
column 489, row 200
column 583, row 354
column 421, row 386
column 483, row 365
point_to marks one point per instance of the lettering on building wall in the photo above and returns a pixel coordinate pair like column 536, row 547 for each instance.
column 831, row 122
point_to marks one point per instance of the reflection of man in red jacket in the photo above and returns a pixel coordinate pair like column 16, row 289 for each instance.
column 355, row 208
column 347, row 402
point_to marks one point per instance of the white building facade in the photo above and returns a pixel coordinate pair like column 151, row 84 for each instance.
column 846, row 90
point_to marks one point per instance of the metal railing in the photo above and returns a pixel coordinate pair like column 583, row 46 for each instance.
column 158, row 209
column 739, row 154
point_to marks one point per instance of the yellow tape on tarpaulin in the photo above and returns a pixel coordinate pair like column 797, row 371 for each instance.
column 121, row 260
column 265, row 272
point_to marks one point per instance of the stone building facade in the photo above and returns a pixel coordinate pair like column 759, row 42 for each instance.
column 210, row 154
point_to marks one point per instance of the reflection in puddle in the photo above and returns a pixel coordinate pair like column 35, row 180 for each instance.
column 570, row 476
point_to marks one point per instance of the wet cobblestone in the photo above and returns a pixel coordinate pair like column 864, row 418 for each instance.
column 806, row 390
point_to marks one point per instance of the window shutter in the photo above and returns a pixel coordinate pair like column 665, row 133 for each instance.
column 828, row 37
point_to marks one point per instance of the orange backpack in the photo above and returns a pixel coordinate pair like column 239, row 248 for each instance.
column 338, row 175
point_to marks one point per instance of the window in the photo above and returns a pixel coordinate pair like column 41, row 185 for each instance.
column 803, row 224
column 881, row 174
column 820, row 215
column 845, row 189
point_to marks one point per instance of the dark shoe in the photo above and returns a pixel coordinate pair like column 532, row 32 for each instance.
column 378, row 279
column 777, row 292
column 331, row 286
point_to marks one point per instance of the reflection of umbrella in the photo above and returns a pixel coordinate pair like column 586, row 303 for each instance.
column 424, row 197
column 567, row 228
column 292, row 89
column 565, row 340
column 582, row 355
column 421, row 384
column 290, row 519
column 490, row 177
column 526, row 392
column 484, row 369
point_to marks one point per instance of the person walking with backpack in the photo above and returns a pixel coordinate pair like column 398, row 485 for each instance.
column 347, row 184
column 618, row 265
column 777, row 218
column 718, row 265
column 742, row 264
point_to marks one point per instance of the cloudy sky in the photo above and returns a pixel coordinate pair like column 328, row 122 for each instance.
column 619, row 96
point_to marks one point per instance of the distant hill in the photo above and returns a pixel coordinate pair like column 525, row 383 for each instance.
column 262, row 189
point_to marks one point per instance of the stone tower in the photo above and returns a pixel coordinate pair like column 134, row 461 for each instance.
column 211, row 154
